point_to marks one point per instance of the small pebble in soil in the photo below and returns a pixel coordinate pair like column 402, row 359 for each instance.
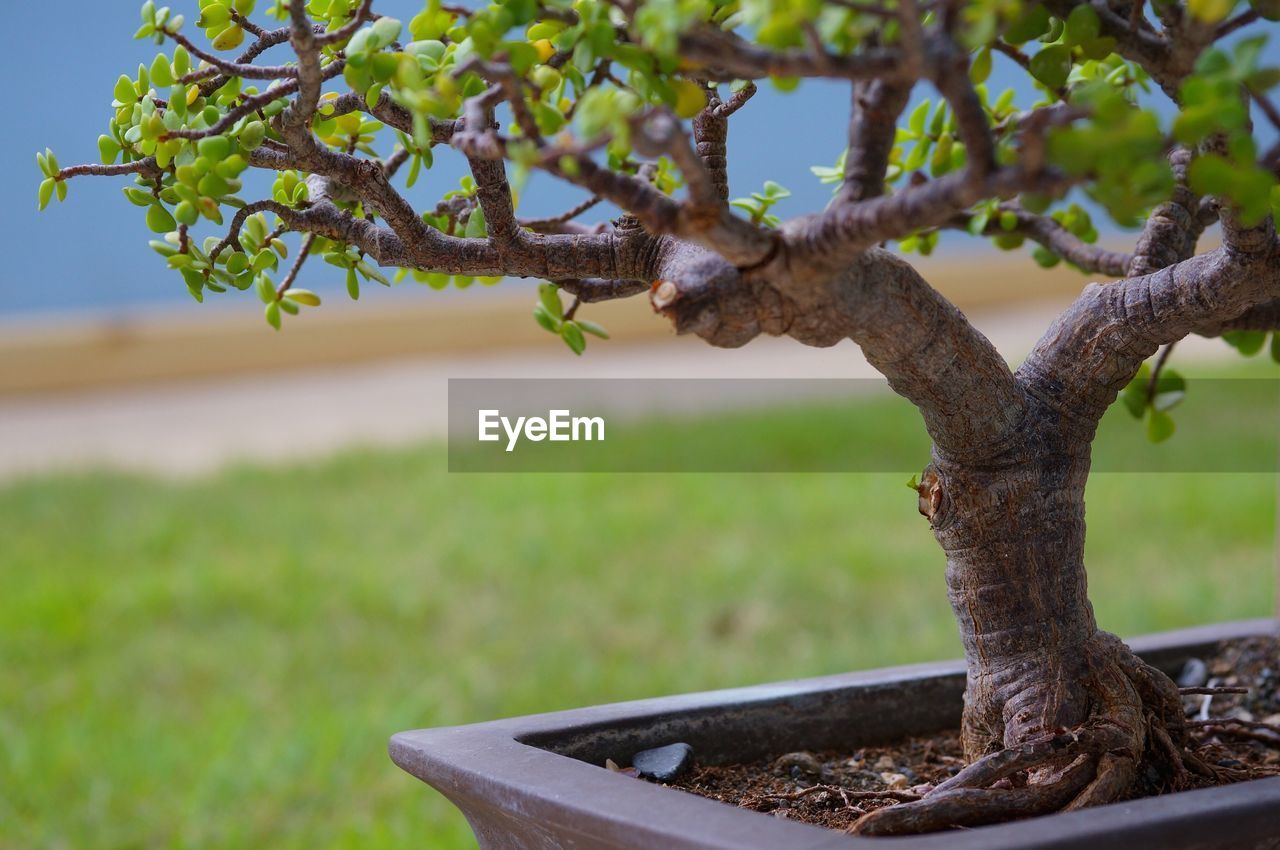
column 1194, row 674
column 612, row 766
column 895, row 781
column 885, row 763
column 663, row 763
column 798, row 765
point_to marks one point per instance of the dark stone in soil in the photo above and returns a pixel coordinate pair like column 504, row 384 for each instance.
column 1195, row 673
column 663, row 764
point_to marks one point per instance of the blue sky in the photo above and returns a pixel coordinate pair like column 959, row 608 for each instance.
column 89, row 253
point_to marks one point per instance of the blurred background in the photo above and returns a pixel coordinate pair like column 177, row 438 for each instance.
column 233, row 561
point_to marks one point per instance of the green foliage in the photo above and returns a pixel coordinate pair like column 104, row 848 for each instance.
column 549, row 313
column 757, row 206
column 1247, row 343
column 582, row 87
column 831, row 174
column 1213, row 108
column 51, row 184
column 1152, row 402
column 1121, row 147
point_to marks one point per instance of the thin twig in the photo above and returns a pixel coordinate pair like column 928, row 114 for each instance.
column 297, row 266
column 1237, row 721
column 1213, row 690
column 1268, row 108
column 1241, row 20
column 1154, row 380
column 900, row 796
column 536, row 223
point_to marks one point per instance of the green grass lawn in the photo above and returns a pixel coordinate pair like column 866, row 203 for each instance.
column 219, row 663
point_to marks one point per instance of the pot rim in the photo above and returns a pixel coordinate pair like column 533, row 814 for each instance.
column 523, row 769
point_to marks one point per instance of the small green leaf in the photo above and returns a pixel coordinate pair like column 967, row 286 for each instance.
column 1211, row 174
column 572, row 336
column 476, row 228
column 386, row 31
column 272, row 312
column 161, row 72
column 252, row 135
column 915, row 122
column 1032, row 23
column 266, row 293
column 1083, row 25
column 1045, row 258
column 549, row 296
column 45, row 192
column 185, row 212
column 159, row 220
column 370, row 273
column 124, row 90
column 1160, row 426
column 1170, row 390
column 1052, row 65
column 981, row 67
column 593, row 328
column 1210, row 11
column 237, row 263
column 353, row 284
column 776, row 191
column 303, row 296
column 1247, row 343
column 545, row 319
column 108, row 149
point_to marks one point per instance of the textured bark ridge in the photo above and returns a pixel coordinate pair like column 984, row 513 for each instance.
column 1058, row 714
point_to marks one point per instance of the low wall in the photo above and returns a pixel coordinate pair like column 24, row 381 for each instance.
column 200, row 341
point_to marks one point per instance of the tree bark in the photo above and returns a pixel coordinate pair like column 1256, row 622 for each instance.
column 1013, row 530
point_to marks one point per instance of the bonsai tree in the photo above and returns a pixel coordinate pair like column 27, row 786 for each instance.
column 632, row 101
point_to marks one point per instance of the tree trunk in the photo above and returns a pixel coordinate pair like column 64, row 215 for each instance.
column 1046, row 690
column 1058, row 715
column 1014, row 540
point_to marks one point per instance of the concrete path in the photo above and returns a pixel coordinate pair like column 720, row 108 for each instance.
column 197, row 427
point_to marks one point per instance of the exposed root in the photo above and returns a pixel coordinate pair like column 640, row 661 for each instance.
column 1136, row 735
column 978, row 806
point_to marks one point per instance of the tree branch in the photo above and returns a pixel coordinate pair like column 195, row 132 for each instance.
column 1096, row 346
column 908, row 332
column 344, row 32
column 833, row 238
column 877, row 104
column 1170, row 232
column 244, row 69
column 1053, row 236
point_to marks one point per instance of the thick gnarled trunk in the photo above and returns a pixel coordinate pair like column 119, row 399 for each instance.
column 1014, row 541
column 1058, row 714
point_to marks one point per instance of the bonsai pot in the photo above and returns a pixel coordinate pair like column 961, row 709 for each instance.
column 539, row 782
